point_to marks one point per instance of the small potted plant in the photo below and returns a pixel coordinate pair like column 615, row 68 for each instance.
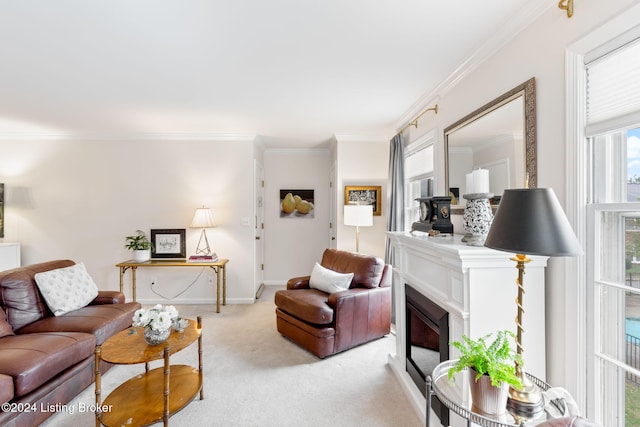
column 491, row 367
column 140, row 245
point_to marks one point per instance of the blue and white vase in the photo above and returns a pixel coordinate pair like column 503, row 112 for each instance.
column 477, row 218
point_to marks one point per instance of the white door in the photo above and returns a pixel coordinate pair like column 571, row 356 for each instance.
column 258, row 225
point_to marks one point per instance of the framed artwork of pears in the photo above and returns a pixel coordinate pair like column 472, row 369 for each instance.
column 297, row 203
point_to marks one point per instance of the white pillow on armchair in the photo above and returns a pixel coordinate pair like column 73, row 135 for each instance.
column 329, row 281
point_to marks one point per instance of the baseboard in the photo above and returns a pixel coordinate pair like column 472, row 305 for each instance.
column 275, row 283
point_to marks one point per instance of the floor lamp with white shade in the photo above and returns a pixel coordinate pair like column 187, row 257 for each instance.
column 358, row 216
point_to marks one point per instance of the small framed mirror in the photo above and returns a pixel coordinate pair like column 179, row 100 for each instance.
column 499, row 137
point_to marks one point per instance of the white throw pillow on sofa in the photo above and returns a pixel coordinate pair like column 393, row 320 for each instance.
column 66, row 289
column 329, row 281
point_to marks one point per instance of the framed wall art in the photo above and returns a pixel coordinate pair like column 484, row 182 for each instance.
column 364, row 195
column 168, row 243
column 297, row 203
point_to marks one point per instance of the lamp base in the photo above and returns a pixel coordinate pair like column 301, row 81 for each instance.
column 527, row 402
column 203, row 247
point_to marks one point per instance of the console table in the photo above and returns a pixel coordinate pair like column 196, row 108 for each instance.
column 218, row 266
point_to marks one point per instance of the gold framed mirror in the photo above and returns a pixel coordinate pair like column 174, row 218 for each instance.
column 499, row 136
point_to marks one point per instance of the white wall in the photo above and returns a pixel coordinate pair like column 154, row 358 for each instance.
column 362, row 163
column 538, row 51
column 79, row 199
column 293, row 245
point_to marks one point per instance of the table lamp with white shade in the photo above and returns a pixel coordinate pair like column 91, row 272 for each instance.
column 203, row 218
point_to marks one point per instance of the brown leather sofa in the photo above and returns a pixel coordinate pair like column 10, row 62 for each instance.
column 325, row 324
column 47, row 360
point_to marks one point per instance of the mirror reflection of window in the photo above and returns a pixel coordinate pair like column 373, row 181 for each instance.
column 494, row 142
column 500, row 137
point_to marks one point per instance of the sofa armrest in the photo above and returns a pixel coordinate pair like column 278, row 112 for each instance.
column 298, row 283
column 108, row 297
column 6, row 388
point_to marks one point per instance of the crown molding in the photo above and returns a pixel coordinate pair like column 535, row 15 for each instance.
column 503, row 35
column 187, row 136
column 32, row 136
column 106, row 137
column 360, row 138
column 302, row 150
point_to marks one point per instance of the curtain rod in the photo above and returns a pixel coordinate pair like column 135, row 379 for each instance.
column 414, row 122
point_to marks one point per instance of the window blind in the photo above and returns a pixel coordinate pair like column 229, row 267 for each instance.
column 613, row 89
column 419, row 163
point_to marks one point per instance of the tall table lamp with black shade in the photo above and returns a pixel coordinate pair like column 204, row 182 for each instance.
column 529, row 221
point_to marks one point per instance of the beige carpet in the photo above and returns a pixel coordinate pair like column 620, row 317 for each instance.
column 255, row 377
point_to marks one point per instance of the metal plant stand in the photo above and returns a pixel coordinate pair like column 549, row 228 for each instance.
column 455, row 396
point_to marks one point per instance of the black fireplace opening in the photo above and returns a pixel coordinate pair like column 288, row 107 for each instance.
column 427, row 342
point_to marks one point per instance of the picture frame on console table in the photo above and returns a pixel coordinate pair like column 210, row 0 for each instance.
column 168, row 243
column 364, row 195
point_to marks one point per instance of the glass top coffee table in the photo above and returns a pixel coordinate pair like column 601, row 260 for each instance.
column 155, row 394
column 455, row 395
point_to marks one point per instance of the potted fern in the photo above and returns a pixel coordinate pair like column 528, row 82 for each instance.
column 140, row 245
column 492, row 369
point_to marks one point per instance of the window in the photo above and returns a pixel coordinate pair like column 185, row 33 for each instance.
column 418, row 172
column 614, row 281
column 613, row 219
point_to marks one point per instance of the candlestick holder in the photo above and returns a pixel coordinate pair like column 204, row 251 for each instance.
column 477, row 218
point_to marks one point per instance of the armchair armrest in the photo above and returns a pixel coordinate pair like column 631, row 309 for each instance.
column 298, row 282
column 108, row 297
column 338, row 298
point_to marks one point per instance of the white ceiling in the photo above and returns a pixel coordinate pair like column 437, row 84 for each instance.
column 288, row 70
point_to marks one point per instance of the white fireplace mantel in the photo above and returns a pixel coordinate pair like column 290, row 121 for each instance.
column 477, row 286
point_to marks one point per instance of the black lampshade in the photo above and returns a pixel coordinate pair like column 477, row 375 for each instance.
column 531, row 221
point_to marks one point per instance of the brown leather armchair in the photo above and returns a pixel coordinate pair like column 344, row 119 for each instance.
column 324, row 323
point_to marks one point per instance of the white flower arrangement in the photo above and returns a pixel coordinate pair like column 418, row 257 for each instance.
column 158, row 318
